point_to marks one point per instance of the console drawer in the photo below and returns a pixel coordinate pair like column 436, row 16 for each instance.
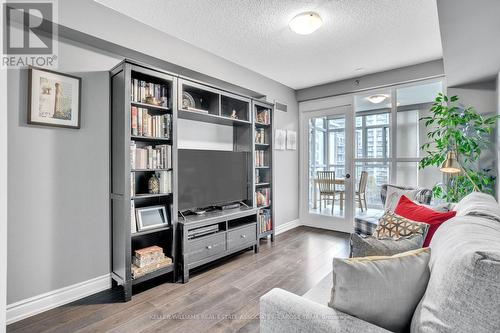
column 239, row 237
column 205, row 247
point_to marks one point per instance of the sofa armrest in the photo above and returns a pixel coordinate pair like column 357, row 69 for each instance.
column 282, row 311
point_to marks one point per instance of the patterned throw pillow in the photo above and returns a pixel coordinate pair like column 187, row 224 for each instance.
column 394, row 226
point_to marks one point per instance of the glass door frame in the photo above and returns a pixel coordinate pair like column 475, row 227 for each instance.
column 332, row 106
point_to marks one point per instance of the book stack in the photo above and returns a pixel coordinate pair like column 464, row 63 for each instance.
column 263, row 117
column 144, row 124
column 148, row 260
column 259, row 158
column 263, row 197
column 149, row 157
column 142, row 89
column 264, row 221
column 260, row 136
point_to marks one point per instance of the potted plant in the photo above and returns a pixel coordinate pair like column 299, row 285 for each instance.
column 457, row 137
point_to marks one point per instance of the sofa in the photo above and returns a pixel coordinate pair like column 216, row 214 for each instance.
column 462, row 295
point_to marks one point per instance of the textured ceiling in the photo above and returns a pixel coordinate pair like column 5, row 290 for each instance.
column 374, row 35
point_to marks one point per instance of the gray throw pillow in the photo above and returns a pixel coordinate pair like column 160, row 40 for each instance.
column 371, row 246
column 381, row 290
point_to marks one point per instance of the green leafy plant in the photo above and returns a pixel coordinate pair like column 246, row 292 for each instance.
column 464, row 131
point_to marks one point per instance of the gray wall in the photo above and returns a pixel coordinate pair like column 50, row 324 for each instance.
column 382, row 79
column 497, row 141
column 125, row 32
column 58, row 219
column 483, row 96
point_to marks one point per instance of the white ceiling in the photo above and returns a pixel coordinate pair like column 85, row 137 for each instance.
column 375, row 35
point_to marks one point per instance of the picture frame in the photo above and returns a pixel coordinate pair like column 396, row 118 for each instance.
column 54, row 98
column 151, row 217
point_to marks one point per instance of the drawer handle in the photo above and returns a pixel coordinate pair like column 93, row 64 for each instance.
column 243, row 236
column 209, row 247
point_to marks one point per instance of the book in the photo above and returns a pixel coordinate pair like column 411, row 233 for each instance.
column 137, row 272
column 148, row 260
column 133, row 222
column 140, row 253
column 133, row 121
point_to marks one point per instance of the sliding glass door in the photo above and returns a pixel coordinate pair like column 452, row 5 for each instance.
column 327, row 199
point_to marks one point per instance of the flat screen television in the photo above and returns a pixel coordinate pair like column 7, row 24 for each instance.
column 211, row 177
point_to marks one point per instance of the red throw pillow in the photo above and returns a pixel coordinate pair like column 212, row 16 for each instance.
column 412, row 211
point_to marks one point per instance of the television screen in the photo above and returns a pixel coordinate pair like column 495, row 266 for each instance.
column 211, row 177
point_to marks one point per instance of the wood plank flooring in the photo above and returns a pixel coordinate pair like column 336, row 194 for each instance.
column 221, row 298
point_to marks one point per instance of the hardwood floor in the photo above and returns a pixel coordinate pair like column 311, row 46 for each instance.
column 220, row 298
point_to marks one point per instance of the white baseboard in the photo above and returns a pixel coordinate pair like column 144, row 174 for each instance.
column 37, row 304
column 287, row 226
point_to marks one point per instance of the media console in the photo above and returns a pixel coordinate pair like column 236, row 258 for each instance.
column 221, row 232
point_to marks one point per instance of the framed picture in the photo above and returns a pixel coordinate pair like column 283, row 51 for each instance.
column 291, row 140
column 53, row 98
column 151, row 217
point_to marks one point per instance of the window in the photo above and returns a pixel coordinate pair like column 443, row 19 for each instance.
column 390, row 159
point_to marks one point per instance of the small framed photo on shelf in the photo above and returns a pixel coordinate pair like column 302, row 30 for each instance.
column 151, row 217
column 53, row 98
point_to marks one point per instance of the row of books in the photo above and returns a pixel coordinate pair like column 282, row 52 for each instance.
column 263, row 117
column 144, row 124
column 142, row 89
column 260, row 160
column 263, row 197
column 149, row 157
column 164, row 182
column 264, row 221
column 148, row 260
column 258, row 178
column 260, row 136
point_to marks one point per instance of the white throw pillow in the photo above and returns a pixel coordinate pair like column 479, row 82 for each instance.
column 393, row 195
column 381, row 290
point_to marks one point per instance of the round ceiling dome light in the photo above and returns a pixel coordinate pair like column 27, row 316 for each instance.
column 376, row 99
column 306, row 23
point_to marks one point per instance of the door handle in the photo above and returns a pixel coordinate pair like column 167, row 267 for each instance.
column 209, row 247
column 243, row 236
column 347, row 176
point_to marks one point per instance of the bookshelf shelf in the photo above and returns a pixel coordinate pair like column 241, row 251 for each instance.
column 150, row 170
column 154, row 274
column 151, row 231
column 210, row 118
column 148, row 195
column 262, row 184
column 262, row 144
column 262, row 167
column 257, row 124
column 149, row 138
column 150, row 106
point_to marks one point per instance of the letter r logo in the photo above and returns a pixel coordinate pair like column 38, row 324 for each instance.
column 28, row 28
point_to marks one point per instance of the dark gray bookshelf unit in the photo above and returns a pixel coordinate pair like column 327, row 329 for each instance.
column 263, row 126
column 124, row 198
column 234, row 230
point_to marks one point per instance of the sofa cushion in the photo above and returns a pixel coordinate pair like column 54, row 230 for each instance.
column 415, row 212
column 393, row 195
column 371, row 246
column 394, row 226
column 381, row 290
column 463, row 294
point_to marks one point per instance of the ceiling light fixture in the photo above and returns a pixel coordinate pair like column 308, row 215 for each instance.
column 305, row 23
column 376, row 99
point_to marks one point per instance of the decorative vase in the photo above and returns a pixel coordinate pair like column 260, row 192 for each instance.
column 154, row 185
